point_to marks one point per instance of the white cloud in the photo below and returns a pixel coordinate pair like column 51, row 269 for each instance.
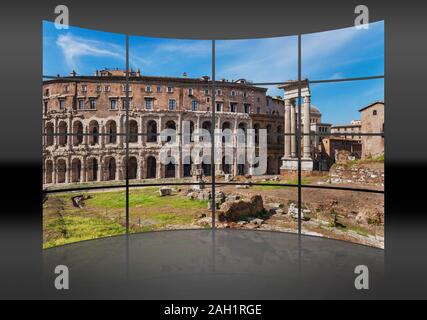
column 73, row 48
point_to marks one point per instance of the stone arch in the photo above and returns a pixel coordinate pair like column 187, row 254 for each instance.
column 170, row 170
column 61, row 168
column 62, row 131
column 133, row 131
column 151, row 167
column 92, row 169
column 151, row 131
column 110, row 170
column 241, row 134
column 171, row 125
column 77, row 133
column 48, row 171
column 76, row 169
column 133, row 167
column 94, row 132
column 206, row 125
column 49, row 134
column 111, row 129
column 226, row 125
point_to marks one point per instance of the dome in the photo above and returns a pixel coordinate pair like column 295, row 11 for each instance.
column 314, row 109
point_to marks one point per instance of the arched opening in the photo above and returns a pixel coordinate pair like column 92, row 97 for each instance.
column 49, row 134
column 94, row 132
column 133, row 131
column 151, row 167
column 172, row 126
column 241, row 135
column 76, row 167
column 110, row 168
column 92, row 167
column 208, row 127
column 62, row 131
column 280, row 134
column 133, row 167
column 187, row 166
column 170, row 170
column 61, row 167
column 226, row 165
column 111, row 128
column 152, row 131
column 226, row 134
column 48, row 171
column 78, row 133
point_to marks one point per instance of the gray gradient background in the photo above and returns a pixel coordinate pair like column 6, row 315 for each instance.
column 406, row 154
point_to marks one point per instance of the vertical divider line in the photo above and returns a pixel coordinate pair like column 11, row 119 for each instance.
column 127, row 134
column 213, row 125
column 299, row 136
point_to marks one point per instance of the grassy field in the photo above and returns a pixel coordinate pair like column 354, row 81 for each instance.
column 104, row 214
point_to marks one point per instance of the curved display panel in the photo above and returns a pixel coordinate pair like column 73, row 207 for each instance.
column 137, row 136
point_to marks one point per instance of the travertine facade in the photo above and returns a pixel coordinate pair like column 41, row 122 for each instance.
column 95, row 114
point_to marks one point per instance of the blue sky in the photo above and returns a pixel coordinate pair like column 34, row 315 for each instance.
column 325, row 55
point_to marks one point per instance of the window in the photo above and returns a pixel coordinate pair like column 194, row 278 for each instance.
column 92, row 104
column 149, row 104
column 258, row 110
column 113, row 104
column 233, row 107
column 148, row 88
column 219, row 106
column 107, row 88
column 190, row 91
column 208, row 99
column 219, row 92
column 45, row 107
column 159, row 89
column 66, row 88
column 62, row 104
column 206, row 92
column 172, row 104
column 84, row 88
column 374, row 112
column 194, row 105
column 46, row 92
column 98, row 88
column 124, row 88
column 81, row 104
column 233, row 93
column 247, row 108
column 245, row 94
column 170, row 89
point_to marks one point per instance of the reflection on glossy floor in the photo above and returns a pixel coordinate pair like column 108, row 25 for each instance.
column 220, row 264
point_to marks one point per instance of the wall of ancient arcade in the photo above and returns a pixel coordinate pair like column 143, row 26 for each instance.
column 94, row 148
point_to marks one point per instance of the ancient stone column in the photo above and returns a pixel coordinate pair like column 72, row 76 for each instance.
column 307, row 153
column 293, row 131
column 287, row 128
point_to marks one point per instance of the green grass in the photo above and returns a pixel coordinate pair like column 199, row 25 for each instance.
column 78, row 228
column 103, row 214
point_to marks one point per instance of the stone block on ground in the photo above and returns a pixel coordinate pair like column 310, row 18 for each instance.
column 165, row 191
